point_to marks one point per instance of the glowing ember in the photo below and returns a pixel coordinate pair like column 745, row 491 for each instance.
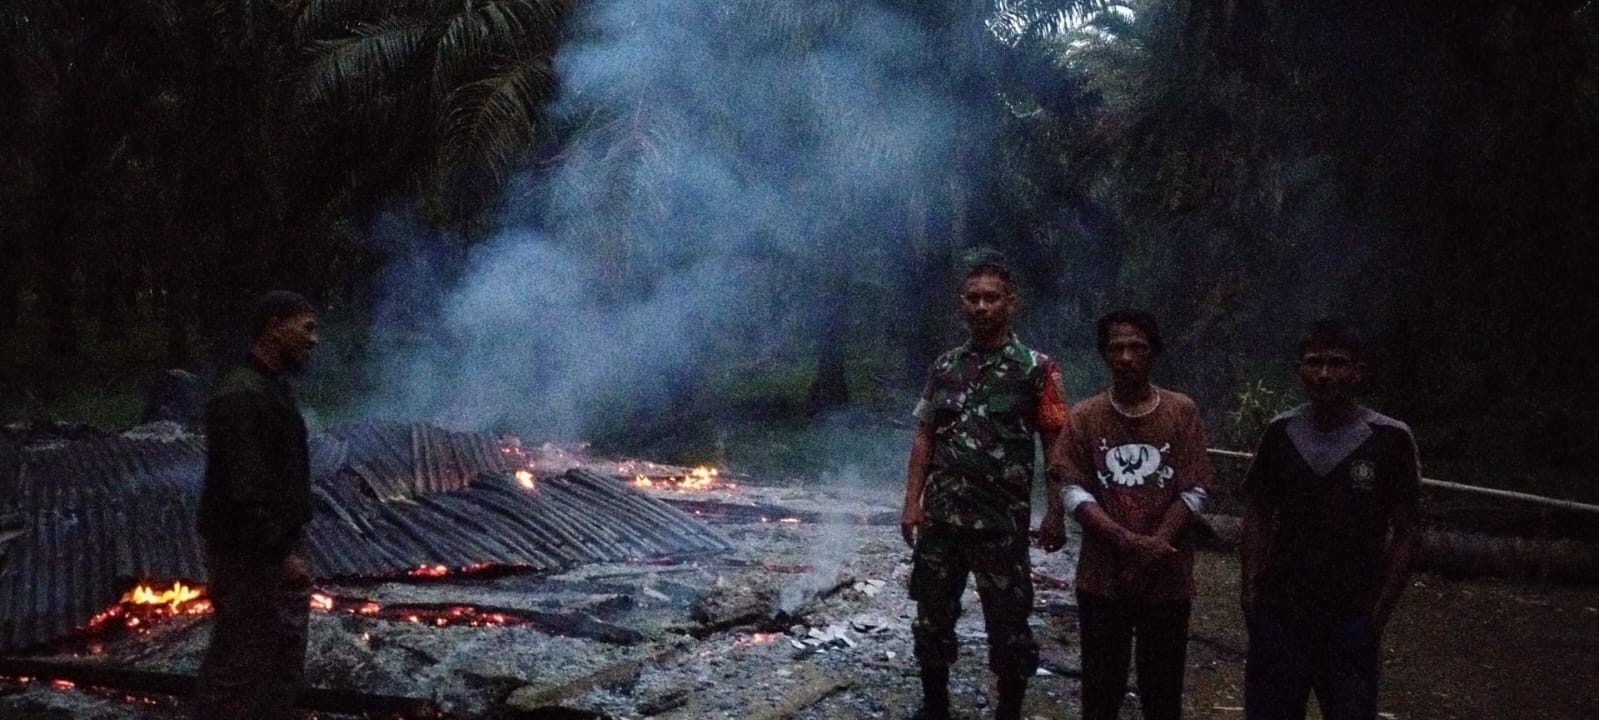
column 173, row 597
column 699, row 479
column 757, row 639
column 144, row 605
column 62, row 684
column 435, row 571
column 525, row 479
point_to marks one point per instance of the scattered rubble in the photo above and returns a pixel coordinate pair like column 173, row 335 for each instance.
column 800, row 620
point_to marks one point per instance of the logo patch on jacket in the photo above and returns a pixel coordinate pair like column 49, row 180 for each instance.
column 1362, row 474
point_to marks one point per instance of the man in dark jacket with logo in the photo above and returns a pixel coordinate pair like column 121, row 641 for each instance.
column 256, row 500
column 1329, row 534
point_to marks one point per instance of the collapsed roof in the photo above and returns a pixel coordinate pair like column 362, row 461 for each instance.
column 82, row 519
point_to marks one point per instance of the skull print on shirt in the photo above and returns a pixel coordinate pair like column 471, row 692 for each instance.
column 1134, row 464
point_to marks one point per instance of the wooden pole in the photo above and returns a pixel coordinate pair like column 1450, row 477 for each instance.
column 1459, row 487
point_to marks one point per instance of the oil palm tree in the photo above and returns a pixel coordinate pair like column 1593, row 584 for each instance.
column 435, row 91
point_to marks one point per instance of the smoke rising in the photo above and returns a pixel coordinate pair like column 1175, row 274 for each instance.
column 721, row 161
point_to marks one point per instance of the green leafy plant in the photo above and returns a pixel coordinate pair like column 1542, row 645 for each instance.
column 1254, row 405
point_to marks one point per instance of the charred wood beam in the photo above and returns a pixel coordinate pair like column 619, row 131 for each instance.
column 811, row 685
column 584, row 625
column 817, row 687
column 530, row 698
column 715, row 613
column 763, row 610
column 333, row 700
column 567, row 624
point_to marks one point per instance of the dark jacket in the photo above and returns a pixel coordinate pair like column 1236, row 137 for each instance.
column 257, row 493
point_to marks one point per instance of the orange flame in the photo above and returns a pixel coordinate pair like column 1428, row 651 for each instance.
column 321, row 602
column 525, row 479
column 700, row 479
column 173, row 597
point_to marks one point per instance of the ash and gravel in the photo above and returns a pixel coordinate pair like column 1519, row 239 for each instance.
column 852, row 646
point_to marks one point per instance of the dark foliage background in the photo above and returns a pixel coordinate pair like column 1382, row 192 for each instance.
column 1238, row 167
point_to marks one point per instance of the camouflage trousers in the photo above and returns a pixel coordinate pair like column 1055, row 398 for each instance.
column 253, row 667
column 944, row 555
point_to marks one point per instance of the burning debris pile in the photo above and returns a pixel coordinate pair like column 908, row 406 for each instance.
column 731, row 599
column 92, row 515
column 780, row 627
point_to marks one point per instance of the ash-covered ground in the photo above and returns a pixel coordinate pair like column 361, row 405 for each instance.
column 689, row 638
column 805, row 619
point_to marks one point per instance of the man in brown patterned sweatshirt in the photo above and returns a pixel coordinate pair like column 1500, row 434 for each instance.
column 1133, row 464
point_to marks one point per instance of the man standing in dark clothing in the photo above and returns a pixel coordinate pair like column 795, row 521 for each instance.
column 1132, row 462
column 968, row 490
column 1328, row 538
column 256, row 500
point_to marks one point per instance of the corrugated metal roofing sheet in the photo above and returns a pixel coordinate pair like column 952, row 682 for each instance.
column 98, row 514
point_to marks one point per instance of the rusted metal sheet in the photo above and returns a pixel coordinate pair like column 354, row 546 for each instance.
column 98, row 514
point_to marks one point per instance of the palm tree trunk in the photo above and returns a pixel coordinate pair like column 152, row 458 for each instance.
column 830, row 386
column 61, row 333
column 10, row 292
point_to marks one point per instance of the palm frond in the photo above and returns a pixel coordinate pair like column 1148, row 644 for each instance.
column 492, row 120
column 493, row 31
column 1014, row 20
column 324, row 19
column 358, row 65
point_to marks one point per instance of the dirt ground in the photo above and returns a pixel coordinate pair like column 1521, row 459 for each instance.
column 1457, row 649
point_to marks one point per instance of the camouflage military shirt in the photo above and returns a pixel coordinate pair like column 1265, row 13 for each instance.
column 985, row 407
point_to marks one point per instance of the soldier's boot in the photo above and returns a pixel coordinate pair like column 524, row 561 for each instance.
column 935, row 694
column 1012, row 688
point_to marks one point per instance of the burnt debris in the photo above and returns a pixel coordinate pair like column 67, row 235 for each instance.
column 89, row 515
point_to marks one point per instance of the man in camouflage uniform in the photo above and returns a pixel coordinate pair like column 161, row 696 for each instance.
column 968, row 489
